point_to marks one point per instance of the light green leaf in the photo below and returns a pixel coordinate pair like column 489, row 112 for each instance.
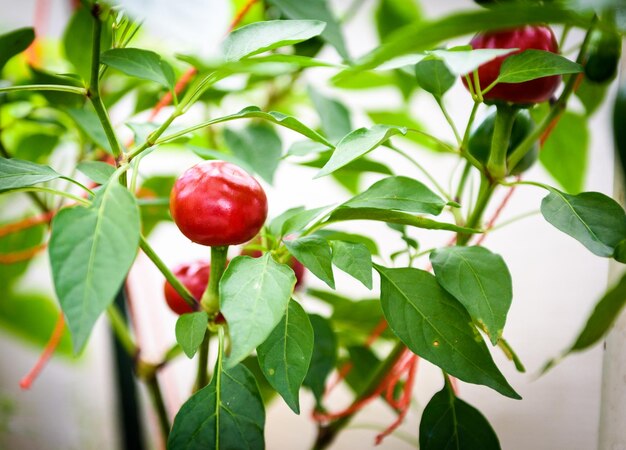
column 276, row 224
column 142, row 64
column 97, row 171
column 434, row 76
column 226, row 414
column 190, row 331
column 87, row 121
column 14, row 42
column 77, row 41
column 315, row 254
column 358, row 143
column 354, row 259
column 336, row 235
column 392, row 15
column 480, row 280
column 334, row 116
column 260, row 37
column 254, row 294
column 404, row 119
column 532, row 64
column 259, row 145
column 300, row 219
column 286, row 354
column 324, row 356
column 461, row 61
column 435, row 326
column 91, row 250
column 15, row 174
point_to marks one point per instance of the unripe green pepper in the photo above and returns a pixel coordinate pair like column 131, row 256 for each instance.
column 605, row 48
column 479, row 144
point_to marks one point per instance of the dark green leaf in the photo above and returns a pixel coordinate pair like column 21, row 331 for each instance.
column 595, row 220
column 265, row 389
column 334, row 116
column 77, row 41
column 15, row 42
column 435, row 326
column 399, row 193
column 480, row 280
column 564, row 153
column 254, row 294
column 315, row 254
column 91, row 250
column 394, row 14
column 277, row 223
column 36, row 147
column 354, row 259
column 336, row 235
column 403, row 119
column 357, row 144
column 324, row 356
column 89, row 124
column 139, row 63
column 591, row 95
column 260, row 37
column 434, row 76
column 286, row 354
column 318, row 10
column 364, row 363
column 449, row 423
column 58, row 99
column 190, row 331
column 226, row 414
column 533, row 64
column 15, row 174
column 259, row 145
column 97, row 171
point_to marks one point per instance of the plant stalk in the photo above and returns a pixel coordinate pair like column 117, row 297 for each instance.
column 159, row 405
column 496, row 165
column 211, row 298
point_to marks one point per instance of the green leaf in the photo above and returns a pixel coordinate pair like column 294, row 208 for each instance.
column 336, row 235
column 142, row 64
column 155, row 187
column 388, row 216
column 564, row 153
column 605, row 313
column 399, row 193
column 260, row 37
column 58, row 99
column 97, row 171
column 77, row 41
column 391, row 15
column 450, row 423
column 403, row 119
column 36, row 147
column 258, row 145
column 16, row 242
column 334, row 116
column 591, row 95
column 276, row 224
column 88, row 123
column 286, row 354
column 265, row 389
column 15, row 42
column 254, row 294
column 435, row 326
column 480, row 280
column 357, row 144
column 226, row 414
column 434, row 76
column 593, row 219
column 364, row 364
column 532, row 64
column 315, row 254
column 15, row 174
column 353, row 259
column 300, row 219
column 318, row 10
column 190, row 331
column 463, row 60
column 324, row 356
column 91, row 250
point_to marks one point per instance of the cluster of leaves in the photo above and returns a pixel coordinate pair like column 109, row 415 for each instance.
column 441, row 317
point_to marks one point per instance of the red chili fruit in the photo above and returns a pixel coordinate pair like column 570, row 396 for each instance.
column 217, row 203
column 195, row 277
column 298, row 269
column 539, row 37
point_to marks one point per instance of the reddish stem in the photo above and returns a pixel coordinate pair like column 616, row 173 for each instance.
column 241, row 14
column 21, row 255
column 26, row 223
column 51, row 346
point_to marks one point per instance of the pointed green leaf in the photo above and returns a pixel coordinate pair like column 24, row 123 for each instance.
column 259, row 145
column 97, row 171
column 334, row 116
column 448, row 423
column 254, row 294
column 142, row 64
column 91, row 250
column 435, row 326
column 394, row 14
column 462, row 60
column 286, row 354
column 532, row 64
column 480, row 280
column 399, row 193
column 87, row 121
column 357, row 144
column 226, row 414
column 593, row 219
column 324, row 356
column 190, row 331
column 315, row 254
column 260, row 37
column 15, row 42
column 434, row 76
column 354, row 259
column 299, row 220
column 16, row 173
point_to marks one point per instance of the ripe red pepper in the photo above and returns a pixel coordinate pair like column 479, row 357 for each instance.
column 537, row 37
column 217, row 203
column 195, row 277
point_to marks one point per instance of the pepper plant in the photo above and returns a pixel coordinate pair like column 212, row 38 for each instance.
column 448, row 305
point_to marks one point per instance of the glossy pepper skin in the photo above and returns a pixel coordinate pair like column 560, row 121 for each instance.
column 603, row 55
column 217, row 203
column 297, row 267
column 537, row 37
column 195, row 277
column 479, row 143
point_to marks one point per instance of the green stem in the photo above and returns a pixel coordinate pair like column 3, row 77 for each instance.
column 167, row 273
column 152, row 138
column 327, row 434
column 119, row 327
column 462, row 182
column 46, row 87
column 505, row 117
column 449, row 120
column 468, row 127
column 444, row 145
column 202, row 376
column 211, row 297
column 45, row 190
column 484, row 195
column 157, row 400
